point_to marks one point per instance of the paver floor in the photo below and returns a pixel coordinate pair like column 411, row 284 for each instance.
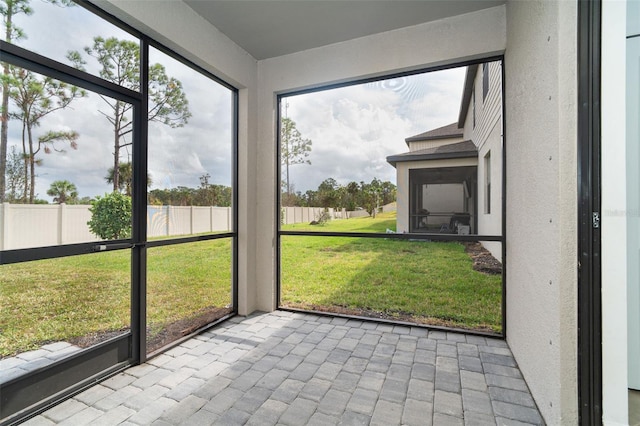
column 287, row 368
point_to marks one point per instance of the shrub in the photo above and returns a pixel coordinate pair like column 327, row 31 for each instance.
column 323, row 217
column 111, row 216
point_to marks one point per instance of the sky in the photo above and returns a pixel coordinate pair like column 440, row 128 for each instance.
column 353, row 129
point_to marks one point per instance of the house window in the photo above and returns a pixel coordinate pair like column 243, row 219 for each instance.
column 485, row 80
column 487, row 180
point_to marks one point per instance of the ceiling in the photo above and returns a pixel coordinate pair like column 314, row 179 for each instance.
column 270, row 28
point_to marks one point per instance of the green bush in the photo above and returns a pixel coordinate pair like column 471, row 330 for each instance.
column 111, row 216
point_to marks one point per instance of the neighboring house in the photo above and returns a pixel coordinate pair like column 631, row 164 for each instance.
column 451, row 178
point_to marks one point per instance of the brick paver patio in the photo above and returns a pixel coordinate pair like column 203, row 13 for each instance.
column 287, row 368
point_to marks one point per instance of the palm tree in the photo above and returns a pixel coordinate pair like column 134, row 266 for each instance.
column 125, row 178
column 63, row 191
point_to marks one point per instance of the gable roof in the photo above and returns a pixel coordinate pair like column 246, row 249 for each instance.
column 465, row 149
column 444, row 132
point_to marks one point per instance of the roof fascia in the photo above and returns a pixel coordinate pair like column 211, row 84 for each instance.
column 393, row 159
column 472, row 70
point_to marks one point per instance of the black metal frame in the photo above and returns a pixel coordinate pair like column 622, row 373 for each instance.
column 63, row 378
column 589, row 263
column 504, row 204
column 33, row 392
column 404, row 236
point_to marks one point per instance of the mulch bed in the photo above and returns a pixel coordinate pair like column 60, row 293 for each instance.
column 169, row 333
column 483, row 260
column 184, row 327
column 400, row 317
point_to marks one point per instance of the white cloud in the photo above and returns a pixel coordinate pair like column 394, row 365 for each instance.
column 355, row 128
column 177, row 157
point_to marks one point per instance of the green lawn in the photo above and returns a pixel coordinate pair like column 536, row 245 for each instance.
column 61, row 299
column 427, row 282
column 66, row 298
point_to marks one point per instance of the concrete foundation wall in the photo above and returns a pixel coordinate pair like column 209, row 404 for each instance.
column 541, row 97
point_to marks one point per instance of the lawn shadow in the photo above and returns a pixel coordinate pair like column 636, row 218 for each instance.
column 411, row 281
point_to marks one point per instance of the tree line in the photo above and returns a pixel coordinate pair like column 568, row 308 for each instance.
column 352, row 196
column 206, row 194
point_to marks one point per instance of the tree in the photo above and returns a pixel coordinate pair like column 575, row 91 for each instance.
column 12, row 33
column 15, row 177
column 63, row 191
column 371, row 195
column 388, row 192
column 328, row 194
column 168, row 104
column 125, row 178
column 294, row 149
column 37, row 96
column 111, row 216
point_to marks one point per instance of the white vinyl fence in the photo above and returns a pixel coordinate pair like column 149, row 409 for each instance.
column 163, row 221
column 40, row 225
column 291, row 215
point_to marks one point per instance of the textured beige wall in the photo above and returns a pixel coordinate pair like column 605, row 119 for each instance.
column 541, row 95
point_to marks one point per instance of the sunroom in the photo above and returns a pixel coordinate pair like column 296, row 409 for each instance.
column 256, row 53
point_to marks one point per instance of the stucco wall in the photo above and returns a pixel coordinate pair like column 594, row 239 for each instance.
column 177, row 26
column 540, row 96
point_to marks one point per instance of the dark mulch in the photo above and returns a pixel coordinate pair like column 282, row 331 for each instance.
column 167, row 334
column 483, row 260
column 400, row 317
column 184, row 327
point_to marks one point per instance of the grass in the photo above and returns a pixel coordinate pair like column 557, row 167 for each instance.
column 67, row 298
column 61, row 299
column 381, row 223
column 427, row 282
